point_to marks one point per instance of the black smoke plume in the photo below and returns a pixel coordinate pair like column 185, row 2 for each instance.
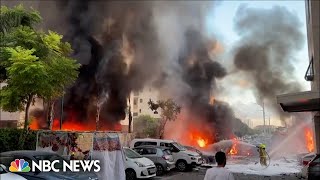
column 269, row 40
column 102, row 34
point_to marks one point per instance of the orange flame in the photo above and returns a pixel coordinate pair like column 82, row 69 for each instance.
column 233, row 150
column 201, row 142
column 197, row 138
column 309, row 139
column 72, row 125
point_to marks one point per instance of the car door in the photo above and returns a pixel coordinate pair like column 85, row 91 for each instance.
column 150, row 153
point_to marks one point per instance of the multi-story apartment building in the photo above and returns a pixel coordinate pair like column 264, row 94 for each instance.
column 139, row 105
column 309, row 101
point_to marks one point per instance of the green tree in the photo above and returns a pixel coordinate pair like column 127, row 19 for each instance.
column 35, row 64
column 10, row 19
column 169, row 112
column 146, row 126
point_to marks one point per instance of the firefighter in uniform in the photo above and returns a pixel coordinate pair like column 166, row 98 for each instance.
column 262, row 154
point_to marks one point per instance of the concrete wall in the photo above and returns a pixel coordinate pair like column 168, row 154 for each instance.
column 8, row 119
column 313, row 29
column 317, row 130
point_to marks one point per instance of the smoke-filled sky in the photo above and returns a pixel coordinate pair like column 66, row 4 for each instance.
column 236, row 90
column 234, row 27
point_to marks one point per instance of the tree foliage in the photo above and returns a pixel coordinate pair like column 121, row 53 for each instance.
column 146, row 126
column 33, row 64
column 169, row 112
column 11, row 18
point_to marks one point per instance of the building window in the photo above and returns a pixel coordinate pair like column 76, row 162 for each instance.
column 135, row 93
column 135, row 114
column 140, row 100
column 135, row 101
column 139, row 110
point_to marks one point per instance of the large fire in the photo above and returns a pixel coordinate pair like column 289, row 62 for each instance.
column 309, row 139
column 73, row 125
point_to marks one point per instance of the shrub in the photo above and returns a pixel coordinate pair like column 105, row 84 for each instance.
column 9, row 140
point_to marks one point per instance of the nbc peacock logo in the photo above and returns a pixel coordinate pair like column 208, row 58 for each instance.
column 19, row 165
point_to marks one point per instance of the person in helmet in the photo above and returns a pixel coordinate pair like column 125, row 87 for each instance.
column 262, row 154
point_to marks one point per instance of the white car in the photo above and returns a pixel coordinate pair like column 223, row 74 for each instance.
column 138, row 166
column 184, row 159
column 4, row 174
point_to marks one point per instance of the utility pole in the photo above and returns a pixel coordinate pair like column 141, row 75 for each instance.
column 61, row 115
column 264, row 117
column 269, row 126
column 97, row 115
column 130, row 117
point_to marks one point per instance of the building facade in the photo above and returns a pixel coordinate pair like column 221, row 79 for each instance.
column 139, row 105
column 309, row 101
column 8, row 119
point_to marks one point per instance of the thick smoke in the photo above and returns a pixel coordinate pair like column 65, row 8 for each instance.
column 117, row 45
column 269, row 39
column 124, row 46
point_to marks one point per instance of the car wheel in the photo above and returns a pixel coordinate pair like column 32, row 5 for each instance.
column 182, row 166
column 130, row 174
column 160, row 169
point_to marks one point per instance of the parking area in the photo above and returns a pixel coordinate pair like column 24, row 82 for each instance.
column 199, row 175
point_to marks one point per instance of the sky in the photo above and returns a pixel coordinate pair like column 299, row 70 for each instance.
column 219, row 23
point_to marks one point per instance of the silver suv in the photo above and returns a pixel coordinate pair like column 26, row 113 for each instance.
column 161, row 156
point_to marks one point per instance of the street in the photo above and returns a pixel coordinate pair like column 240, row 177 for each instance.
column 199, row 175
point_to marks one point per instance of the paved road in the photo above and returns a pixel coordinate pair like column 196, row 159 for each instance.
column 199, row 175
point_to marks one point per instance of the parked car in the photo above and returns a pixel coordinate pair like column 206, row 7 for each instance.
column 314, row 168
column 161, row 157
column 183, row 158
column 138, row 166
column 5, row 174
column 7, row 157
column 206, row 158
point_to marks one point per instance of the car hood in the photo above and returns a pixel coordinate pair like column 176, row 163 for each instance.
column 11, row 176
column 144, row 161
column 191, row 153
column 67, row 175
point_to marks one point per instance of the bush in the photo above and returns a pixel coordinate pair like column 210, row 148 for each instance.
column 145, row 126
column 9, row 140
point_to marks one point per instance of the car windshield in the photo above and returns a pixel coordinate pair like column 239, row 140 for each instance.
column 180, row 147
column 167, row 152
column 131, row 154
column 51, row 157
column 2, row 171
